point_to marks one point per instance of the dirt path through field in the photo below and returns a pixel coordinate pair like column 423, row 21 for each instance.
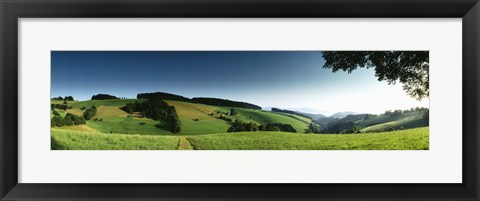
column 184, row 144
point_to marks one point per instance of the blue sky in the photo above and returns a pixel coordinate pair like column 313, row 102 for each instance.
column 285, row 79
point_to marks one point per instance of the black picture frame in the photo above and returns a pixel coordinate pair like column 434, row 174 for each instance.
column 12, row 10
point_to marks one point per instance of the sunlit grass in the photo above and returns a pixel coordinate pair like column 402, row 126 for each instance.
column 412, row 139
column 80, row 140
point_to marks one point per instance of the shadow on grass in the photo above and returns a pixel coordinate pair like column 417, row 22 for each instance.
column 55, row 145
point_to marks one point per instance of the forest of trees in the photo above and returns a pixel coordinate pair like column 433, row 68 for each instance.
column 202, row 100
column 240, row 126
column 103, row 97
column 69, row 120
column 225, row 102
column 63, row 106
column 162, row 96
column 158, row 110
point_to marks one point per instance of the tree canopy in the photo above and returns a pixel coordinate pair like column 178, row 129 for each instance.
column 103, row 97
column 162, row 96
column 407, row 67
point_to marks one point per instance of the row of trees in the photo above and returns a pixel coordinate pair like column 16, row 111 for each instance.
column 202, row 100
column 168, row 96
column 103, row 97
column 349, row 125
column 69, row 120
column 240, row 126
column 225, row 103
column 60, row 106
column 397, row 113
column 162, row 96
column 156, row 109
column 68, row 98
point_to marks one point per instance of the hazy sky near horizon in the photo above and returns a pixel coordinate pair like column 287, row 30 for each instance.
column 283, row 79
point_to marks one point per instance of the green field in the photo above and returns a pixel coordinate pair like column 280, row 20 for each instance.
column 384, row 124
column 411, row 139
column 62, row 139
column 203, row 129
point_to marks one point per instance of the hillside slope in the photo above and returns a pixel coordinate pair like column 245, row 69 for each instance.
column 195, row 118
column 203, row 119
column 386, row 123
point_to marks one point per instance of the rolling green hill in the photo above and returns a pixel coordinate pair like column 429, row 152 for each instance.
column 195, row 118
column 384, row 123
column 264, row 117
column 198, row 118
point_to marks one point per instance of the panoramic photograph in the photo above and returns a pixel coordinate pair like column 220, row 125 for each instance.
column 239, row 100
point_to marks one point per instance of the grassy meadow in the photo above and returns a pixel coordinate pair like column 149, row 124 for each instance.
column 410, row 139
column 77, row 139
